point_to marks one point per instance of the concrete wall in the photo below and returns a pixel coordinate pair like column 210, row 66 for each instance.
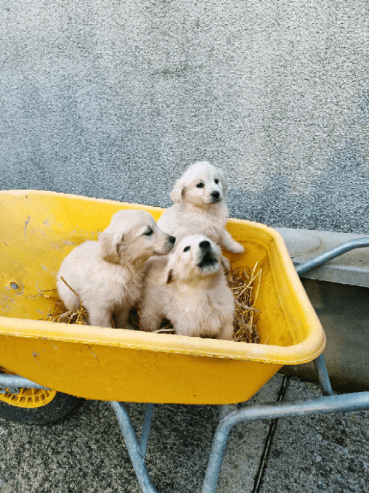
column 114, row 99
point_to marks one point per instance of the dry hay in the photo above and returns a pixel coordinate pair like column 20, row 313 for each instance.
column 244, row 283
column 61, row 315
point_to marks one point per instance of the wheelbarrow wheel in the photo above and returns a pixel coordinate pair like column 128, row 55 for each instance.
column 54, row 410
column 37, row 406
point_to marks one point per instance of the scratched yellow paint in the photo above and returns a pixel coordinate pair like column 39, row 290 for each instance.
column 37, row 230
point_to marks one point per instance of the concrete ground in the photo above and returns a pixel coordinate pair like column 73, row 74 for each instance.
column 85, row 453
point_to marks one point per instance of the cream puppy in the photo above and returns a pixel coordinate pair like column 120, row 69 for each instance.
column 107, row 274
column 200, row 207
column 189, row 288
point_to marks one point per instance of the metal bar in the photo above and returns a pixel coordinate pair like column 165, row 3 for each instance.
column 226, row 409
column 16, row 381
column 146, row 429
column 331, row 254
column 319, row 405
column 133, row 447
column 321, row 369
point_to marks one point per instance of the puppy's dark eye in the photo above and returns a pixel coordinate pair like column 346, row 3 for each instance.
column 216, row 180
column 148, row 232
column 200, row 185
column 186, row 248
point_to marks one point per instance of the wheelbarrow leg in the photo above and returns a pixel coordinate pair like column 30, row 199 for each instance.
column 322, row 372
column 216, row 457
column 136, row 451
column 144, row 438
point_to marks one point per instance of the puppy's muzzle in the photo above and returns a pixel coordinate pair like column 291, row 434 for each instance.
column 170, row 242
column 205, row 245
column 215, row 196
column 208, row 258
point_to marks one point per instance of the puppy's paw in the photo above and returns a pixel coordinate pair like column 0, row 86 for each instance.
column 236, row 248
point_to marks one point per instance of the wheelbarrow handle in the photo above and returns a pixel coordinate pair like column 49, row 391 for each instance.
column 331, row 254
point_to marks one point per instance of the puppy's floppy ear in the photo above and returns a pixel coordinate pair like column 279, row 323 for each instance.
column 111, row 246
column 224, row 181
column 169, row 275
column 178, row 191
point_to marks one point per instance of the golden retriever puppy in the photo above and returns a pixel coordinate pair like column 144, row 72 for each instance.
column 107, row 274
column 189, row 288
column 200, row 207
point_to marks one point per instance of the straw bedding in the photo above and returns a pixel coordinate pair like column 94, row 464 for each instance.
column 244, row 283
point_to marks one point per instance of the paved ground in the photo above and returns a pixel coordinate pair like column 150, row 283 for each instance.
column 85, row 453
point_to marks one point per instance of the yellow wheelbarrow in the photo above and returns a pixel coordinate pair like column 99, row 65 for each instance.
column 47, row 368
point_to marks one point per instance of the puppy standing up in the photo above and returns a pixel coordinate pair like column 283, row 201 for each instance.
column 107, row 274
column 200, row 207
column 189, row 288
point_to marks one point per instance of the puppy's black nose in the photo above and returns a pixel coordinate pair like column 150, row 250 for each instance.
column 204, row 244
column 172, row 239
column 215, row 195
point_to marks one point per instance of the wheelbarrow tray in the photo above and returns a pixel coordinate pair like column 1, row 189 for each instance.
column 38, row 229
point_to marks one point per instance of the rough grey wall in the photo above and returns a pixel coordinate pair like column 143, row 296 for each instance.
column 114, row 99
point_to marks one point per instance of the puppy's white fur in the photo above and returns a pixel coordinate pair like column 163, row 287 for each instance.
column 200, row 207
column 107, row 274
column 190, row 290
